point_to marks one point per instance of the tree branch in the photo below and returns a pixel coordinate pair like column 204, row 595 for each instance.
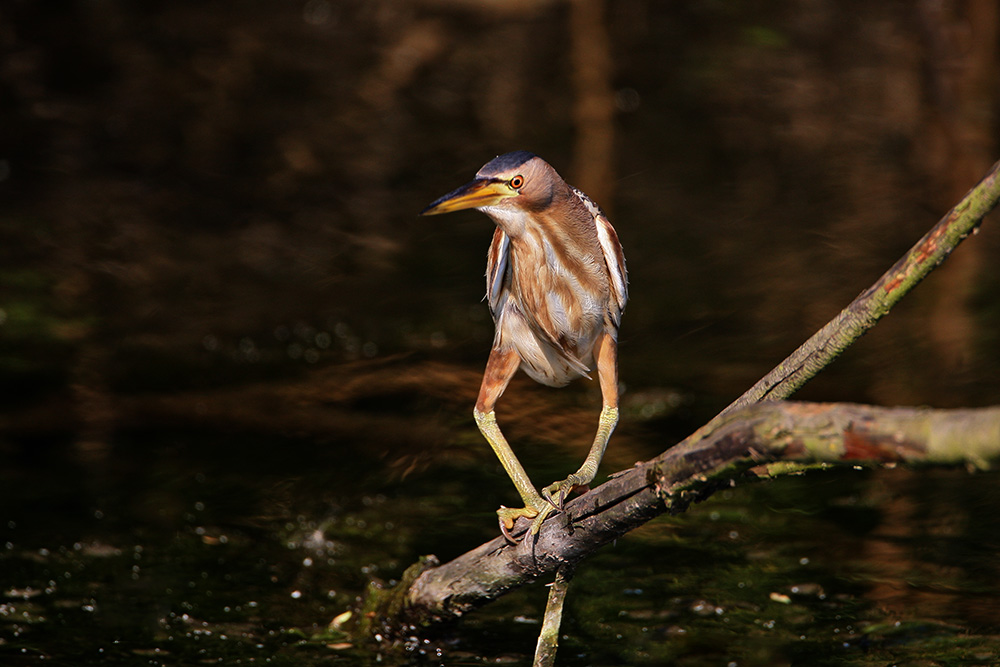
column 738, row 439
column 743, row 440
column 875, row 302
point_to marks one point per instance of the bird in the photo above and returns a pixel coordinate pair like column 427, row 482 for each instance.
column 556, row 286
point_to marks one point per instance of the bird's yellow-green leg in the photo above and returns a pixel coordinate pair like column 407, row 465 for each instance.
column 500, row 368
column 534, row 505
column 606, row 354
column 557, row 493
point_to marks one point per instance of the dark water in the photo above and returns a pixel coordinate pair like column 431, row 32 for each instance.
column 184, row 550
column 239, row 371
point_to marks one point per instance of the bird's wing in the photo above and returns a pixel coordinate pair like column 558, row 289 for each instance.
column 496, row 269
column 614, row 256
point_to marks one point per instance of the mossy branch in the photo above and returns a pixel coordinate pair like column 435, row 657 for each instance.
column 741, row 441
column 875, row 302
column 744, row 436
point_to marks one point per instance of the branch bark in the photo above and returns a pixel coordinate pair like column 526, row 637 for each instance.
column 744, row 440
column 739, row 439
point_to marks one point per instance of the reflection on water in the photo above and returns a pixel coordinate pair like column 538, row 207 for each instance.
column 241, row 370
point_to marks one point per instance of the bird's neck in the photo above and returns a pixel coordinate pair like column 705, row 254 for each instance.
column 512, row 221
column 516, row 221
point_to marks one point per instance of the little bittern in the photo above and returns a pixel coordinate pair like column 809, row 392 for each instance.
column 556, row 286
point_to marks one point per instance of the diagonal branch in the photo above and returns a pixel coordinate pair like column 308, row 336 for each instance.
column 738, row 439
column 875, row 302
column 743, row 440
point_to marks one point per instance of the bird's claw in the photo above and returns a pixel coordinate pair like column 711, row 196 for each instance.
column 509, row 515
column 552, row 499
column 557, row 492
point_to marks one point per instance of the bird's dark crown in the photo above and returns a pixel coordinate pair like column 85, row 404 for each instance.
column 506, row 162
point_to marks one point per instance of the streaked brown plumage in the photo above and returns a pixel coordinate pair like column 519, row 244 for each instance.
column 556, row 286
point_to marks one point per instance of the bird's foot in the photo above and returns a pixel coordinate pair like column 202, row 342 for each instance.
column 557, row 492
column 537, row 512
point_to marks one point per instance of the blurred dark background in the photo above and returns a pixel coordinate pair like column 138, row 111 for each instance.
column 207, row 196
column 229, row 346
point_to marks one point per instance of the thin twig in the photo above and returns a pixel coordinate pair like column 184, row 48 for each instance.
column 548, row 637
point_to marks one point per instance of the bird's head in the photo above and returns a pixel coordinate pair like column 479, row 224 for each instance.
column 508, row 184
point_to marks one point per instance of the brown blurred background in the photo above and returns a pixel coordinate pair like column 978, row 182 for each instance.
column 200, row 197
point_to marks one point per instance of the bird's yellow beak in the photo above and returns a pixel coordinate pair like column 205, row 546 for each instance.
column 480, row 192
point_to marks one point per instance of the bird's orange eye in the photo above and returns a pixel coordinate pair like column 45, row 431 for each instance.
column 517, row 182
